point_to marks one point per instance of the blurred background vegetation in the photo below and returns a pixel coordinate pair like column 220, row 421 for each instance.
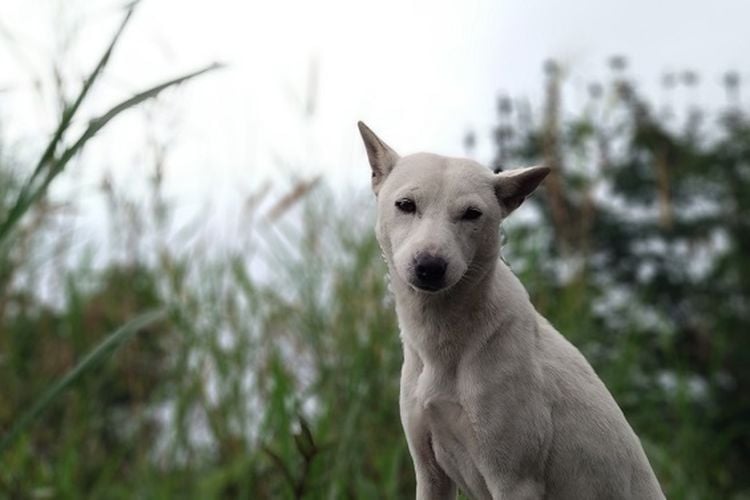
column 274, row 373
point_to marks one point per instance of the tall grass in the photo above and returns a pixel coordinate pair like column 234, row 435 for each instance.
column 31, row 193
column 273, row 372
column 276, row 376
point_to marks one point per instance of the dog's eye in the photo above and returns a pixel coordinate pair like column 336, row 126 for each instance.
column 471, row 213
column 406, row 205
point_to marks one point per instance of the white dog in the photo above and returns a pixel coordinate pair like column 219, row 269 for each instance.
column 494, row 400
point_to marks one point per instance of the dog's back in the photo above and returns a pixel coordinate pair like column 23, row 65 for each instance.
column 593, row 453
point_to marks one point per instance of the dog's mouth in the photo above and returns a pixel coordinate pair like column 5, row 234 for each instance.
column 428, row 287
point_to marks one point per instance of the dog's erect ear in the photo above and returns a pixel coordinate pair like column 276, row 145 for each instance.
column 382, row 157
column 513, row 186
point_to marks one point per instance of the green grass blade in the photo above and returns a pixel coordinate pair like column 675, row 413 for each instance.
column 70, row 111
column 95, row 356
column 98, row 123
column 22, row 204
column 26, row 199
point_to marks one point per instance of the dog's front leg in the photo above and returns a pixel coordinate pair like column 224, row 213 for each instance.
column 432, row 481
column 511, row 462
column 512, row 429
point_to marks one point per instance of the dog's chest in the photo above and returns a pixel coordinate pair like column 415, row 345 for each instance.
column 440, row 406
column 436, row 388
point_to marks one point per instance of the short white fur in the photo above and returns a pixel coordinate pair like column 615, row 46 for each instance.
column 493, row 400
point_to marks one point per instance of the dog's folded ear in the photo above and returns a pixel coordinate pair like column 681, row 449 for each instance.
column 513, row 186
column 382, row 157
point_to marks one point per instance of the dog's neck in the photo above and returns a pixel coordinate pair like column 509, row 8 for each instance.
column 439, row 326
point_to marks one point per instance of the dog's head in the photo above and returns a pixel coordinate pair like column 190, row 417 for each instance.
column 438, row 218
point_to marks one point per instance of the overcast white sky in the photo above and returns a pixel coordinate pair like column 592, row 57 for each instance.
column 420, row 73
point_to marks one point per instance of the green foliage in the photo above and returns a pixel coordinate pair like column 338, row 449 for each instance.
column 97, row 355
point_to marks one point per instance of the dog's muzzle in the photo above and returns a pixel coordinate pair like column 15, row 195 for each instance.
column 429, row 272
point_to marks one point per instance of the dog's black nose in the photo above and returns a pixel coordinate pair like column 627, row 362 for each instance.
column 430, row 271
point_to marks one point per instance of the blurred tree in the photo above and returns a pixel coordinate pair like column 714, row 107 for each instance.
column 646, row 264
